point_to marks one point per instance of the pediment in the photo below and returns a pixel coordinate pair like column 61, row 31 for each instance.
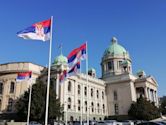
column 152, row 80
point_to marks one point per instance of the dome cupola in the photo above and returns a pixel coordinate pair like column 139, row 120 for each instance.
column 116, row 60
column 115, row 49
column 60, row 60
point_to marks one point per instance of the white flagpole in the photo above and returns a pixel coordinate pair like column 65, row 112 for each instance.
column 48, row 80
column 29, row 104
column 87, row 83
column 81, row 98
column 66, row 102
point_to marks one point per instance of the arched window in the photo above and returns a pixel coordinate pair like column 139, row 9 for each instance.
column 103, row 108
column 102, row 95
column 79, row 105
column 91, row 92
column 71, row 118
column 92, row 105
column 69, row 103
column 10, row 105
column 86, row 106
column 79, row 89
column 12, row 86
column 69, row 86
column 85, row 91
column 97, row 93
column 110, row 65
column 1, row 88
column 115, row 96
column 98, row 107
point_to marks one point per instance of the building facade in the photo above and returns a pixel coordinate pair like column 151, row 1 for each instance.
column 85, row 95
column 10, row 89
column 122, row 86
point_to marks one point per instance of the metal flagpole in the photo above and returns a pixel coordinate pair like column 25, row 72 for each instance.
column 87, row 83
column 48, row 80
column 29, row 104
column 81, row 98
column 66, row 102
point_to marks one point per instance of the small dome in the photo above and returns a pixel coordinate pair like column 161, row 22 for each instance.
column 115, row 48
column 125, row 62
column 60, row 60
column 141, row 73
column 92, row 69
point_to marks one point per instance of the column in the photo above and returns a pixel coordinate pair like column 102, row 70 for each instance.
column 149, row 94
column 152, row 95
column 145, row 92
column 57, row 86
column 156, row 98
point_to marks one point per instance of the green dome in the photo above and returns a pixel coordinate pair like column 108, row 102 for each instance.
column 92, row 69
column 60, row 60
column 125, row 62
column 115, row 48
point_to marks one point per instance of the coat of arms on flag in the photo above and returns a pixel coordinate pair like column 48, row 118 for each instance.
column 38, row 31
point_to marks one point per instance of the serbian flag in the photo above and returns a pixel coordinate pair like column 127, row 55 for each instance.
column 74, row 69
column 38, row 31
column 77, row 54
column 23, row 76
column 63, row 76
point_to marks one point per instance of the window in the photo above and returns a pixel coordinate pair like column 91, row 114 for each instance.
column 85, row 91
column 0, row 104
column 92, row 107
column 119, row 64
column 86, row 106
column 110, row 65
column 98, row 107
column 1, row 88
column 79, row 89
column 12, row 84
column 97, row 93
column 129, row 68
column 79, row 103
column 69, row 103
column 115, row 96
column 10, row 105
column 102, row 95
column 103, row 108
column 69, row 86
column 116, row 109
column 91, row 92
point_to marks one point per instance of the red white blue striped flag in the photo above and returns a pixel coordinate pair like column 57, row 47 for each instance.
column 37, row 31
column 23, row 76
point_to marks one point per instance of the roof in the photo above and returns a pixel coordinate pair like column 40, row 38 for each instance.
column 115, row 48
column 60, row 60
column 21, row 62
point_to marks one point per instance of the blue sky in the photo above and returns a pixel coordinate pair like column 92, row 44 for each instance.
column 139, row 25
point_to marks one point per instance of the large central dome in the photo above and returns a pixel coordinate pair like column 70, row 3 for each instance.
column 115, row 49
column 60, row 60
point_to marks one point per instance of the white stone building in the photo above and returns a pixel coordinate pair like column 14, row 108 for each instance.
column 83, row 94
column 122, row 86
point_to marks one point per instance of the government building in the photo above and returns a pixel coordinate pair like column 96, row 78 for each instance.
column 84, row 95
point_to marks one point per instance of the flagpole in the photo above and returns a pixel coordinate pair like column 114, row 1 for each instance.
column 87, row 84
column 65, row 97
column 48, row 80
column 81, row 98
column 29, row 104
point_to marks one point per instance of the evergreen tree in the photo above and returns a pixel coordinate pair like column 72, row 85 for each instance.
column 38, row 103
column 143, row 110
column 163, row 105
